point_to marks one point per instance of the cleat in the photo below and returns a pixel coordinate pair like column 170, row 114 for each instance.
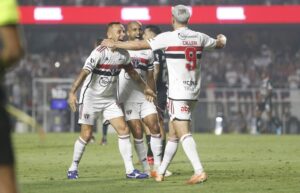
column 150, row 160
column 153, row 173
column 103, row 141
column 196, row 179
column 168, row 173
column 159, row 178
column 136, row 174
column 72, row 175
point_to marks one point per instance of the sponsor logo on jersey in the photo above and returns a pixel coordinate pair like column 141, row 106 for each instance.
column 183, row 36
column 189, row 82
column 104, row 81
column 128, row 112
column 92, row 60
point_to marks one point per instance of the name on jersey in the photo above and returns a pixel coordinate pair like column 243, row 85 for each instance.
column 189, row 43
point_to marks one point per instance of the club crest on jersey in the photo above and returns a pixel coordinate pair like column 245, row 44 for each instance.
column 135, row 62
column 86, row 116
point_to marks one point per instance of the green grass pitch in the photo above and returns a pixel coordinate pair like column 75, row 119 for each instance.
column 234, row 163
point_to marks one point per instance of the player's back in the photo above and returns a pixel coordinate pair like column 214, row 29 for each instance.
column 183, row 53
column 105, row 66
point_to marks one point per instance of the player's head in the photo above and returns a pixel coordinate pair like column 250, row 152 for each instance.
column 151, row 31
column 180, row 15
column 134, row 30
column 115, row 31
column 98, row 42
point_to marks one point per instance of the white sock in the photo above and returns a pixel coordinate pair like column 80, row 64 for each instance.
column 156, row 147
column 189, row 147
column 126, row 152
column 170, row 151
column 142, row 153
column 79, row 148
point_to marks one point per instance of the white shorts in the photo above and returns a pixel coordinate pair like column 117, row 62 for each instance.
column 88, row 112
column 133, row 110
column 180, row 110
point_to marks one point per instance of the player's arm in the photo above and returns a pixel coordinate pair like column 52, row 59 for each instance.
column 150, row 95
column 12, row 50
column 72, row 100
column 151, row 79
column 129, row 45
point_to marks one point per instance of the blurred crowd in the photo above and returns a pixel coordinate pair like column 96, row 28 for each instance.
column 238, row 66
column 156, row 2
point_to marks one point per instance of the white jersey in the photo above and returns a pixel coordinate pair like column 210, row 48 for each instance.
column 142, row 62
column 183, row 48
column 105, row 66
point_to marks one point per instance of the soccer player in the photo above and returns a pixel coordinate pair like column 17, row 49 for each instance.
column 10, row 53
column 264, row 102
column 98, row 95
column 183, row 48
column 161, row 80
column 136, row 107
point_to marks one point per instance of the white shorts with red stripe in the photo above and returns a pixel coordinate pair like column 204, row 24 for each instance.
column 180, row 110
column 134, row 110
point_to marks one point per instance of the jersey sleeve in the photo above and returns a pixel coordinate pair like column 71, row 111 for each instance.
column 94, row 59
column 207, row 42
column 8, row 12
column 159, row 41
column 127, row 60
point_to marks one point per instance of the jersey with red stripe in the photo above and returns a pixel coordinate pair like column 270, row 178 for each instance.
column 105, row 66
column 183, row 50
column 142, row 62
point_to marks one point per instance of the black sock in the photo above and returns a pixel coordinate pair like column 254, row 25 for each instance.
column 149, row 152
column 163, row 148
column 104, row 130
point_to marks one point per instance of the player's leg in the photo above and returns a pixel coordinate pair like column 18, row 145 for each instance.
column 148, row 139
column 181, row 122
column 86, row 119
column 259, row 110
column 132, row 114
column 170, row 151
column 137, row 133
column 79, row 147
column 104, row 132
column 114, row 114
column 7, row 164
column 149, row 115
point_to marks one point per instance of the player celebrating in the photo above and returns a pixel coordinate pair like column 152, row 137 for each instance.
column 161, row 80
column 183, row 48
column 98, row 94
column 136, row 106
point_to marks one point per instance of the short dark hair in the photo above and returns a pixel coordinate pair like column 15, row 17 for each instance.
column 153, row 28
column 111, row 24
column 99, row 41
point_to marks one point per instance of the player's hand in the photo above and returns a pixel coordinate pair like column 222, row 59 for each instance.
column 108, row 43
column 72, row 100
column 150, row 94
